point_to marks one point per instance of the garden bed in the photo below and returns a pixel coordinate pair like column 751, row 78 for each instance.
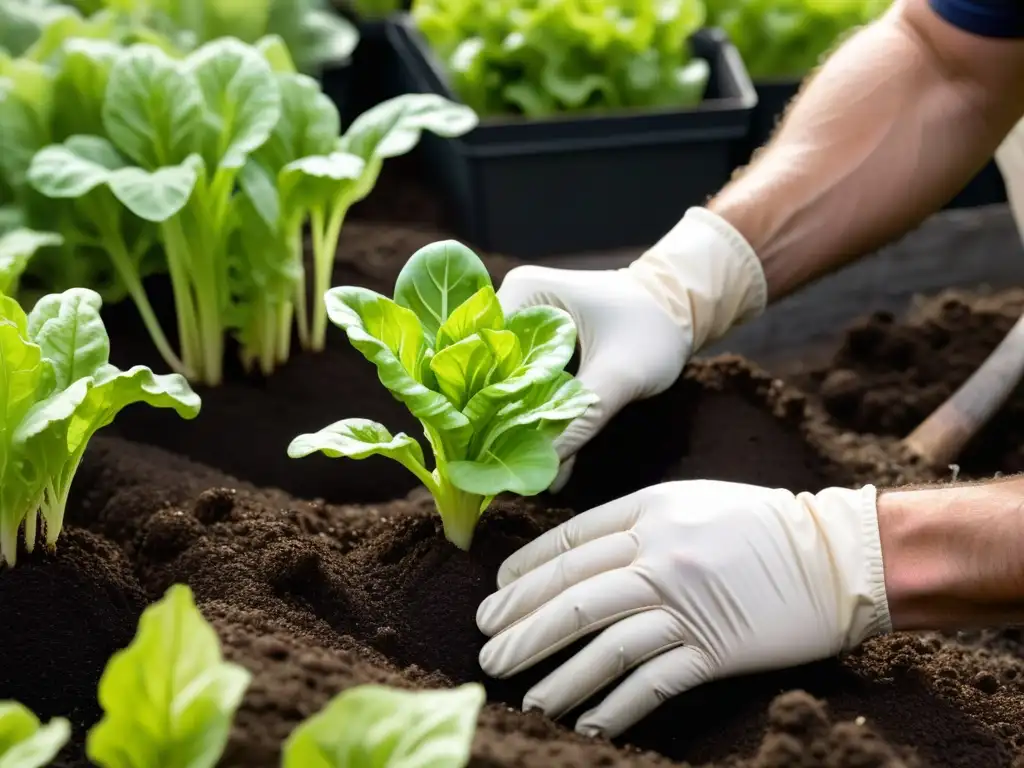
column 314, row 597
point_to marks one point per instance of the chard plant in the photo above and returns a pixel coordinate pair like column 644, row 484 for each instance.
column 490, row 391
column 208, row 166
column 27, row 743
column 58, row 389
column 374, row 726
column 169, row 698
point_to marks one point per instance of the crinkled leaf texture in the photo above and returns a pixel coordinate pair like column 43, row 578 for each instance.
column 169, row 697
column 491, row 391
column 374, row 726
column 27, row 743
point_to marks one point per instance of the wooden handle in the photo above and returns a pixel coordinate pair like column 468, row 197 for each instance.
column 940, row 438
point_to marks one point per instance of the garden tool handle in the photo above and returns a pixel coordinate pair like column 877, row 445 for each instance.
column 940, row 438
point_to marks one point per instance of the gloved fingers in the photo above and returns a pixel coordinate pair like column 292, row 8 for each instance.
column 615, row 516
column 618, row 649
column 528, row 286
column 578, row 611
column 603, row 373
column 564, row 473
column 670, row 674
column 528, row 593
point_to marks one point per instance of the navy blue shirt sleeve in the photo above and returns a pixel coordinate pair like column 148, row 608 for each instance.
column 987, row 18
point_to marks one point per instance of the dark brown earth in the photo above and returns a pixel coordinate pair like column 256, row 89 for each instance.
column 315, row 597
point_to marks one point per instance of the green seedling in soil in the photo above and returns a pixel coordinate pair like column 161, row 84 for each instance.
column 168, row 698
column 27, row 743
column 373, row 726
column 490, row 391
column 58, row 388
column 306, row 174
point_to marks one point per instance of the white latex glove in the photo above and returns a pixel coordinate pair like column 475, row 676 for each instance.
column 638, row 326
column 694, row 581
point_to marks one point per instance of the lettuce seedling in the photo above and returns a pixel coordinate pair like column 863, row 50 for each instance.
column 373, row 726
column 27, row 743
column 168, row 698
column 490, row 391
column 58, row 388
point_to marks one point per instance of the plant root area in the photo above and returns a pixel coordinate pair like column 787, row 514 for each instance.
column 322, row 576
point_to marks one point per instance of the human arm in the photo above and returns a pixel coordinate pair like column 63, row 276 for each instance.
column 688, row 582
column 954, row 556
column 891, row 127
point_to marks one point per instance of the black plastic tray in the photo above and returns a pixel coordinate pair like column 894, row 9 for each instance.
column 987, row 188
column 534, row 188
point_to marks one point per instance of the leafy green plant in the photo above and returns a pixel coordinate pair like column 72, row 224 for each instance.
column 17, row 247
column 373, row 726
column 313, row 34
column 544, row 57
column 209, row 166
column 24, row 741
column 490, row 391
column 58, row 389
column 169, row 697
column 788, row 38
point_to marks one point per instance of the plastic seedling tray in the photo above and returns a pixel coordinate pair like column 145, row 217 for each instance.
column 534, row 188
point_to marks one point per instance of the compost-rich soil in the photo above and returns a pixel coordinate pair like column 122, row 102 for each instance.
column 315, row 598
column 889, row 374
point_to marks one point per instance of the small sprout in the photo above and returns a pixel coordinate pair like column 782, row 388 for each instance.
column 169, row 697
column 58, row 390
column 373, row 726
column 27, row 743
column 490, row 391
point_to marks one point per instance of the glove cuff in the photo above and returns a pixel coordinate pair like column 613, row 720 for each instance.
column 849, row 521
column 705, row 275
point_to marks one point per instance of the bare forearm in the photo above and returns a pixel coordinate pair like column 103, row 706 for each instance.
column 891, row 127
column 954, row 556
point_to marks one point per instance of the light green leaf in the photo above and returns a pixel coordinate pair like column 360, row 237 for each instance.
column 308, row 126
column 153, row 110
column 274, row 50
column 393, row 127
column 68, row 328
column 80, row 86
column 169, row 695
column 436, row 280
column 506, row 349
column 522, row 461
column 463, row 369
column 22, row 369
column 259, row 188
column 156, row 195
column 550, row 406
column 359, row 439
column 391, row 338
column 24, row 128
column 374, row 726
column 242, row 99
column 547, row 338
column 16, row 249
column 479, row 311
column 63, row 171
column 319, row 181
column 24, row 741
column 327, row 38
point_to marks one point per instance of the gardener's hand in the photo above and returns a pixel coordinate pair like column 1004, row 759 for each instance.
column 638, row 326
column 693, row 581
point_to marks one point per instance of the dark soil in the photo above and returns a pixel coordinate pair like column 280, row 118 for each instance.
column 316, row 597
column 889, row 374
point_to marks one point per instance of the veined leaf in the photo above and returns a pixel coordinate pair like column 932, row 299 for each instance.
column 393, row 127
column 308, row 126
column 390, row 337
column 481, row 310
column 360, row 439
column 153, row 109
column 318, row 181
column 80, row 86
column 463, row 369
column 168, row 696
column 436, row 280
column 68, row 329
column 522, row 461
column 373, row 726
